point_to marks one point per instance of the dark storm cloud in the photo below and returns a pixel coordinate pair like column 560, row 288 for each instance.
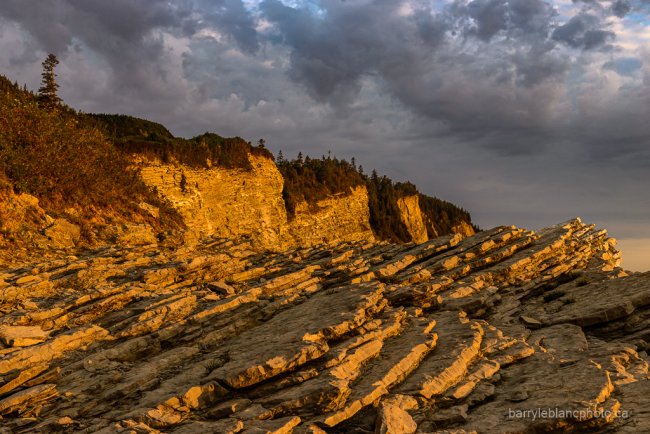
column 124, row 35
column 539, row 64
column 620, row 8
column 128, row 34
column 582, row 31
column 330, row 54
column 493, row 73
column 55, row 23
column 490, row 17
column 232, row 18
column 446, row 66
column 517, row 18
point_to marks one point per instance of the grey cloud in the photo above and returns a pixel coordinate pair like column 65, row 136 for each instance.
column 128, row 35
column 539, row 64
column 431, row 28
column 124, row 34
column 330, row 54
column 533, row 17
column 126, row 19
column 620, row 8
column 426, row 61
column 232, row 18
column 448, row 66
column 54, row 23
column 42, row 22
column 490, row 17
column 521, row 19
column 582, row 31
column 626, row 66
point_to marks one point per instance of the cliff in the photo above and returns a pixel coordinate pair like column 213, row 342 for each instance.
column 452, row 335
column 344, row 216
column 223, row 202
column 421, row 226
column 412, row 217
column 235, row 203
column 463, row 228
column 204, row 186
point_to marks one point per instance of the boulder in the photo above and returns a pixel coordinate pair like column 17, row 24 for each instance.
column 63, row 234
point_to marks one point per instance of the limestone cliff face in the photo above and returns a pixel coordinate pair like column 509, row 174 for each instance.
column 223, row 202
column 231, row 203
column 344, row 216
column 464, row 228
column 416, row 221
column 411, row 215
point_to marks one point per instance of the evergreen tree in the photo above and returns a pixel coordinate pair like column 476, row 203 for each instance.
column 183, row 183
column 49, row 87
column 280, row 158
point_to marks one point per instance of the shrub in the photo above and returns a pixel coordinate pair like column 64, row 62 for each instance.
column 152, row 140
column 54, row 155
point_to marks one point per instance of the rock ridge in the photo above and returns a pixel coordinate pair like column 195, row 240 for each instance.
column 455, row 334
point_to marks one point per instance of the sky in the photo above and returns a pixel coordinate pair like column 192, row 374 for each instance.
column 524, row 112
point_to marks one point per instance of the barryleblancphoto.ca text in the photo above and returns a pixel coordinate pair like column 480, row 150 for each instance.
column 565, row 413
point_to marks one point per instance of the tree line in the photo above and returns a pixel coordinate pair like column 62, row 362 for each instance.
column 314, row 179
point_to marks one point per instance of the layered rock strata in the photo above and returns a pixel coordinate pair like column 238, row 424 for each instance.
column 234, row 203
column 412, row 218
column 456, row 334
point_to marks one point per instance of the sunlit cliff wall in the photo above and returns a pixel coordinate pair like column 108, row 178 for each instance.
column 234, row 202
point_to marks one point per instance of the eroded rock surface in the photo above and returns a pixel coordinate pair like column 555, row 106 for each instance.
column 230, row 203
column 495, row 332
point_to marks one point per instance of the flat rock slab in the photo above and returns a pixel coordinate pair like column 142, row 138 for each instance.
column 23, row 400
column 296, row 336
column 22, row 336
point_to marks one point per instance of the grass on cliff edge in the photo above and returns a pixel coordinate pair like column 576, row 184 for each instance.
column 71, row 167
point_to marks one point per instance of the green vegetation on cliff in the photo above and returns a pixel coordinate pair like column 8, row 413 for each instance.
column 75, row 171
column 151, row 139
column 311, row 180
